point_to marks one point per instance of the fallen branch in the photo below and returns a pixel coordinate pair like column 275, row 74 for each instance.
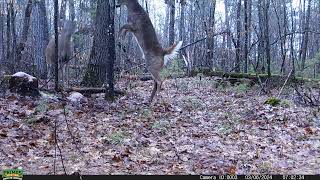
column 92, row 91
column 285, row 83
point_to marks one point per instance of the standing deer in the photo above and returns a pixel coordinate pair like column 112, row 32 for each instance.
column 155, row 56
column 64, row 48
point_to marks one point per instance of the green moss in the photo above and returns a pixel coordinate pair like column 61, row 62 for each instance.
column 273, row 101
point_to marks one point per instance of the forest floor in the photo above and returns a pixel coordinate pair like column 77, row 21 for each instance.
column 194, row 127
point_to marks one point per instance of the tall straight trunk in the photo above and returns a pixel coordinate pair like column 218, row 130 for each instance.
column 238, row 48
column 229, row 40
column 95, row 75
column 56, row 42
column 1, row 35
column 40, row 37
column 261, row 59
column 246, row 28
column 25, row 31
column 192, row 32
column 111, row 51
column 8, row 34
column 14, row 37
column 166, row 26
column 182, row 36
column 182, row 31
column 192, row 23
column 266, row 35
column 305, row 40
column 72, row 10
column 292, row 37
column 63, row 9
column 284, row 41
column 172, row 22
column 210, row 35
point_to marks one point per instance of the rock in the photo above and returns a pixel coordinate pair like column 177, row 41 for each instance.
column 24, row 84
column 76, row 97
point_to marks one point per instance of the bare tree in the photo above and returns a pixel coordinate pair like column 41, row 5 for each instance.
column 1, row 34
column 210, row 30
column 111, row 51
column 305, row 37
column 95, row 75
column 238, row 45
column 172, row 21
column 266, row 5
column 247, row 26
column 40, row 37
column 56, row 42
column 25, row 31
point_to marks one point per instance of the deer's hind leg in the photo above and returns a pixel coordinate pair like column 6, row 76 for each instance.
column 157, row 83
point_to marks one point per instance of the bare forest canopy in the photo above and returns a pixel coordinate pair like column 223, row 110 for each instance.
column 265, row 36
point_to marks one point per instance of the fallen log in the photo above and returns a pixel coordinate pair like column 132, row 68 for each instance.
column 93, row 91
column 253, row 77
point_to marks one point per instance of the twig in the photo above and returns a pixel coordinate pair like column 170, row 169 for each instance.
column 55, row 150
column 285, row 83
column 202, row 39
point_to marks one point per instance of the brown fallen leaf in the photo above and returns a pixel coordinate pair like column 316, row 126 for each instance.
column 232, row 170
column 308, row 130
column 3, row 135
column 116, row 158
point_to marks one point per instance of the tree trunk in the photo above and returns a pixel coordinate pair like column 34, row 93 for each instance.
column 172, row 22
column 95, row 75
column 305, row 40
column 247, row 21
column 166, row 26
column 1, row 35
column 25, row 31
column 292, row 37
column 260, row 66
column 14, row 38
column 238, row 48
column 284, row 41
column 111, row 51
column 8, row 54
column 266, row 35
column 210, row 40
column 72, row 10
column 182, row 36
column 229, row 40
column 56, row 42
column 63, row 9
column 40, row 37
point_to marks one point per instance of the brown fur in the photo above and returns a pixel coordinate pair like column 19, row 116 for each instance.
column 141, row 26
column 64, row 49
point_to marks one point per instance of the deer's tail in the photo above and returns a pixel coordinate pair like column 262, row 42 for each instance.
column 171, row 52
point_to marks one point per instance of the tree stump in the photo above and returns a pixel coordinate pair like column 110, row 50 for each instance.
column 24, row 84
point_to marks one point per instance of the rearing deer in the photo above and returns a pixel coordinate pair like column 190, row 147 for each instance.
column 64, row 48
column 155, row 56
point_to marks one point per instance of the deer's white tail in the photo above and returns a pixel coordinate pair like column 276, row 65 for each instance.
column 171, row 52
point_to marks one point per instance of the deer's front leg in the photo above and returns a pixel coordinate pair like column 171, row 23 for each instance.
column 125, row 28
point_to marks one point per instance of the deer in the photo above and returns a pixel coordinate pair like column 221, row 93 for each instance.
column 65, row 50
column 155, row 57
